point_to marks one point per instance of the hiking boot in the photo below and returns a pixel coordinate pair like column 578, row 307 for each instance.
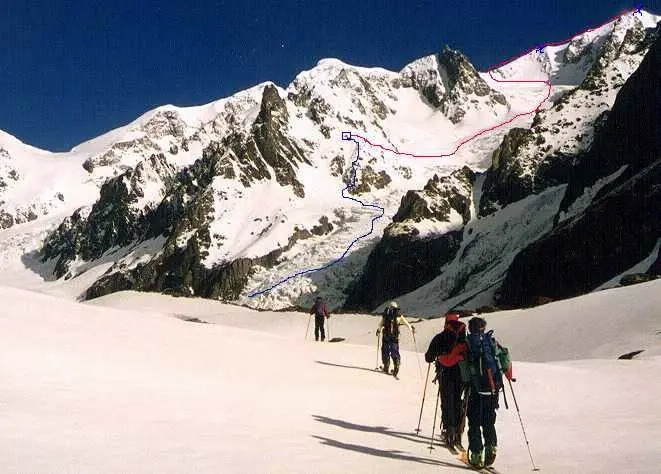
column 386, row 368
column 444, row 437
column 395, row 371
column 489, row 455
column 450, row 436
column 475, row 459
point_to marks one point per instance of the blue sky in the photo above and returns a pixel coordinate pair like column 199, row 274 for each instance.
column 72, row 70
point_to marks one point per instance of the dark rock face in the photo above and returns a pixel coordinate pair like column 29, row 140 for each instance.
column 631, row 134
column 438, row 197
column 428, row 84
column 111, row 222
column 369, row 179
column 461, row 81
column 184, row 214
column 270, row 137
column 623, row 224
column 616, row 232
column 398, row 265
column 179, row 270
column 449, row 83
column 505, row 181
column 510, row 179
column 6, row 220
column 635, row 278
column 249, row 158
column 531, row 160
column 635, row 39
column 402, row 261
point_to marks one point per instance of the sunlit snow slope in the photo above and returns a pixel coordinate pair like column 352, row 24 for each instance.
column 89, row 388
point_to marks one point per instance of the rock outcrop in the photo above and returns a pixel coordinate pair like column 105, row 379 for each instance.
column 622, row 224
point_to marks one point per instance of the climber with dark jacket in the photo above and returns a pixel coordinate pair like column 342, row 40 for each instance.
column 389, row 328
column 320, row 313
column 446, row 350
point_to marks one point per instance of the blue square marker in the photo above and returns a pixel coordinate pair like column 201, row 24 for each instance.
column 346, row 135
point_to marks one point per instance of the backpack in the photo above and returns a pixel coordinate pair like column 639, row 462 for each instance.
column 319, row 307
column 390, row 325
column 485, row 363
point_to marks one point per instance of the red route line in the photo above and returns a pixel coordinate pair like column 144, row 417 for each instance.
column 501, row 64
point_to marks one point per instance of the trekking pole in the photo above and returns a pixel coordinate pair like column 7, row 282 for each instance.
column 424, row 392
column 464, row 411
column 522, row 428
column 504, row 396
column 417, row 356
column 433, row 428
column 308, row 328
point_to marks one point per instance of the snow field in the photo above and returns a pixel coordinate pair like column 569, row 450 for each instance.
column 115, row 385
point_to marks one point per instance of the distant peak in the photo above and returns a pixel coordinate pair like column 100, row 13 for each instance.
column 332, row 63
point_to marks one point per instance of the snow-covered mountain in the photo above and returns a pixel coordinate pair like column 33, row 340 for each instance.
column 232, row 198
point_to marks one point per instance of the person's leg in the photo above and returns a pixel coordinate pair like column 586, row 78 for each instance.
column 396, row 359
column 321, row 328
column 445, row 410
column 463, row 407
column 316, row 328
column 453, row 403
column 385, row 354
column 459, row 409
column 474, row 428
column 489, row 428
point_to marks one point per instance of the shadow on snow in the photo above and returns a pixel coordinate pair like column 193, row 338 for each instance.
column 381, row 430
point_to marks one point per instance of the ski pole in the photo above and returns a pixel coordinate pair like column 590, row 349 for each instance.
column 417, row 356
column 433, row 428
column 378, row 346
column 308, row 328
column 424, row 392
column 464, row 410
column 504, row 396
column 522, row 428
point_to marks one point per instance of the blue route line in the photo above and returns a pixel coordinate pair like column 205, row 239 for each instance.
column 354, row 167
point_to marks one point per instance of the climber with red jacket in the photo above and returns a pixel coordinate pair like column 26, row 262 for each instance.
column 447, row 349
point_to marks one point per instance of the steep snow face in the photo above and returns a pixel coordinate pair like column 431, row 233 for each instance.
column 567, row 64
column 34, row 183
column 543, row 156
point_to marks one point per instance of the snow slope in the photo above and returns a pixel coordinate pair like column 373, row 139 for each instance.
column 91, row 388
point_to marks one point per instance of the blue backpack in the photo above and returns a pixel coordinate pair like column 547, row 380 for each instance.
column 485, row 362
